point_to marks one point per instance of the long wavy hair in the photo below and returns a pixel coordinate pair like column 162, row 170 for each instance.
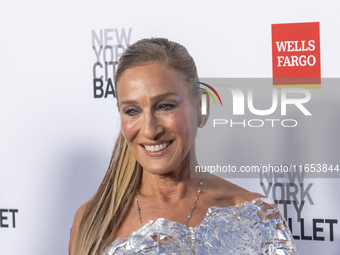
column 110, row 204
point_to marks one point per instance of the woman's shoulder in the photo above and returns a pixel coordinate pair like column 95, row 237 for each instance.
column 79, row 213
column 76, row 221
column 226, row 193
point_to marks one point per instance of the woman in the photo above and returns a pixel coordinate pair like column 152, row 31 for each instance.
column 147, row 202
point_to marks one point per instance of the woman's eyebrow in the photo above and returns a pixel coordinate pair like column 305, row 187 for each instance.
column 153, row 99
column 128, row 102
column 162, row 96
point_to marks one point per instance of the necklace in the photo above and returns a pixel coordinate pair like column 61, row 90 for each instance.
column 192, row 209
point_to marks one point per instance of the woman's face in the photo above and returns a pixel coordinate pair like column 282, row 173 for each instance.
column 154, row 105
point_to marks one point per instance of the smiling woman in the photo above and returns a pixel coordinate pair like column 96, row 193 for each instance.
column 155, row 112
column 147, row 202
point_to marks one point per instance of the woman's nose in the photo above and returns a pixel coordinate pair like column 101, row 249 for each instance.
column 152, row 127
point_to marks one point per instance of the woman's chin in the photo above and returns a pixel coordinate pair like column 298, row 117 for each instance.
column 157, row 170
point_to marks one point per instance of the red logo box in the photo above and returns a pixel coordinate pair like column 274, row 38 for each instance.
column 296, row 55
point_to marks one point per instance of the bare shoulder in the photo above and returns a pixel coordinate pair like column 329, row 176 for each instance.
column 226, row 193
column 76, row 221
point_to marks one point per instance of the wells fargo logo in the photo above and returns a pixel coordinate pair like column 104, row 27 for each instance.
column 296, row 55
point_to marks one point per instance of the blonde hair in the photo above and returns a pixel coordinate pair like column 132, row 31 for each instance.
column 110, row 204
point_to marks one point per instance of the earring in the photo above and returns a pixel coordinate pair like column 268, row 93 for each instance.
column 202, row 122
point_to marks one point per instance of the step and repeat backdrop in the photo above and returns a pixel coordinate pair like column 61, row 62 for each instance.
column 59, row 121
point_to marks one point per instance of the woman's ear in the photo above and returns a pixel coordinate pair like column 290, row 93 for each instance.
column 203, row 109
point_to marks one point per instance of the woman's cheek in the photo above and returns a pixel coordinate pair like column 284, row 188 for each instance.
column 178, row 122
column 129, row 129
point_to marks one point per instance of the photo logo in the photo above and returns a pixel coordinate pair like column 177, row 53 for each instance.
column 246, row 98
column 204, row 97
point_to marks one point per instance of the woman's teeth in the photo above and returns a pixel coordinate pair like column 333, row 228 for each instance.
column 157, row 147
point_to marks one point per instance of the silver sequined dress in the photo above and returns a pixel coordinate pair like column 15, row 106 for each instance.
column 248, row 228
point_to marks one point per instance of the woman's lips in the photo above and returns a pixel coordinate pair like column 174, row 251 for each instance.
column 156, row 150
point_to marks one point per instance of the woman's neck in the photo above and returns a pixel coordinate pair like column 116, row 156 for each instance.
column 170, row 187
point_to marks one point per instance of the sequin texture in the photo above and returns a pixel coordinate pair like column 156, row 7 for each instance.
column 248, row 228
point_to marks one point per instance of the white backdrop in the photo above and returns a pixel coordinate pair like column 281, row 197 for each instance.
column 56, row 138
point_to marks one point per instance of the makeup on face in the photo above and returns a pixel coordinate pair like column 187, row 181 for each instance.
column 154, row 105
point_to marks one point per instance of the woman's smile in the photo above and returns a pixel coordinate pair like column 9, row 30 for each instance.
column 157, row 149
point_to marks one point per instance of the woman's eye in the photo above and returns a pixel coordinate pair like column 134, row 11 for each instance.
column 131, row 111
column 165, row 106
